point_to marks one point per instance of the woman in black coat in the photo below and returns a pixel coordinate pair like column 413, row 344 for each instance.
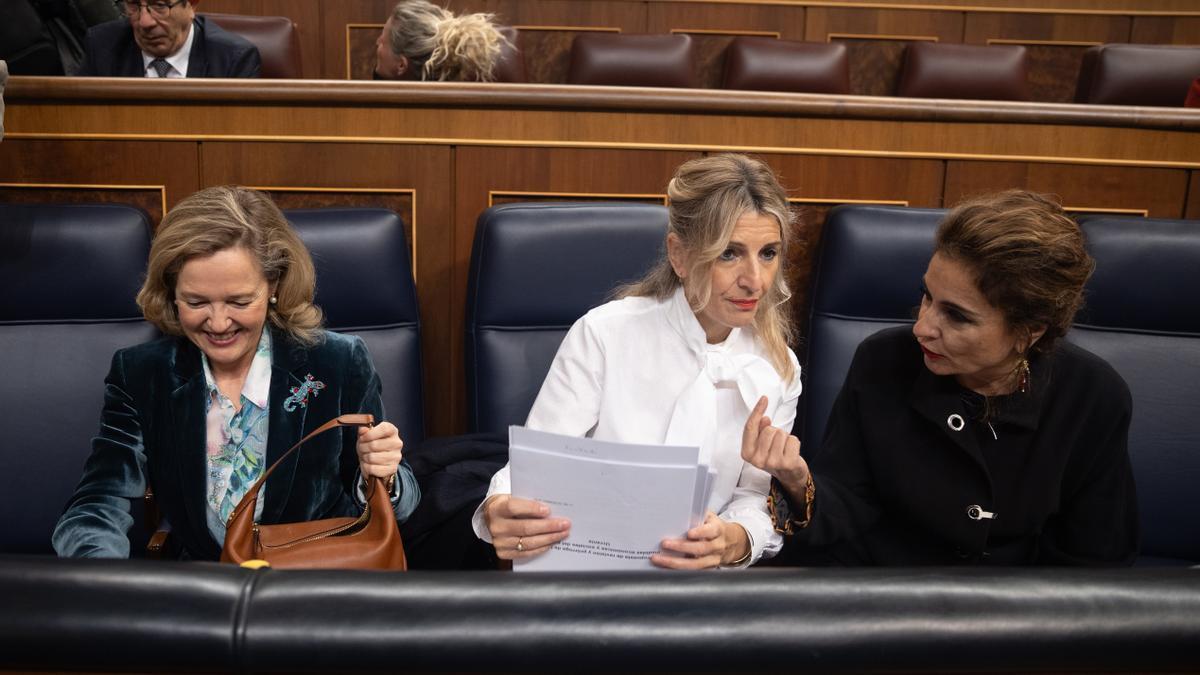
column 976, row 436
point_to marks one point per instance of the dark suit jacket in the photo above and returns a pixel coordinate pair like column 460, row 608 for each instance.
column 110, row 51
column 153, row 426
column 894, row 480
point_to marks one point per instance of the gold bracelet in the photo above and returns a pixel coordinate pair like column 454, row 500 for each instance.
column 749, row 551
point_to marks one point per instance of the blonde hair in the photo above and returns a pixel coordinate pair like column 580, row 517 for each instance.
column 220, row 218
column 707, row 197
column 446, row 47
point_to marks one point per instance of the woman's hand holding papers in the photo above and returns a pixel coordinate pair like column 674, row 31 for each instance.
column 522, row 528
column 713, row 543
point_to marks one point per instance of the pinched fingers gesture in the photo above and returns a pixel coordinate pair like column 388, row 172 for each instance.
column 773, row 450
column 522, row 528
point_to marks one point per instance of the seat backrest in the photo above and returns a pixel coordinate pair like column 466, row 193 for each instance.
column 868, row 278
column 766, row 64
column 535, row 269
column 511, row 65
column 936, row 70
column 632, row 60
column 69, row 274
column 1142, row 315
column 3, row 80
column 274, row 36
column 1121, row 74
column 365, row 287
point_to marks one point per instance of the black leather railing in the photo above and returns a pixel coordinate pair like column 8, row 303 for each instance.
column 142, row 616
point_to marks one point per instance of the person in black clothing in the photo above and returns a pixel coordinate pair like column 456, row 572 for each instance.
column 976, row 436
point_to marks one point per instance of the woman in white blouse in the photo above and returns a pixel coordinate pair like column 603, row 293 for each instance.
column 696, row 353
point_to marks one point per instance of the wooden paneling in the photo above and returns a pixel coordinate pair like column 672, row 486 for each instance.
column 875, row 40
column 392, row 176
column 816, row 184
column 360, row 41
column 480, row 172
column 1159, row 192
column 1193, row 198
column 148, row 198
column 1055, row 44
column 1167, row 30
column 172, row 165
column 337, row 33
column 306, row 14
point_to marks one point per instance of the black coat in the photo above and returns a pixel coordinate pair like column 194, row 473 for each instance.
column 894, row 482
column 110, row 51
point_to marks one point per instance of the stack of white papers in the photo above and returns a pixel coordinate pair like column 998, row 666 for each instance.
column 622, row 499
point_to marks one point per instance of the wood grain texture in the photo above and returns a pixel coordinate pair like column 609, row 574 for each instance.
column 1167, row 30
column 1160, row 192
column 148, row 199
column 1193, row 197
column 171, row 164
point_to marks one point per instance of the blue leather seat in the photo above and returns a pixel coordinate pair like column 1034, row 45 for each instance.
column 867, row 278
column 535, row 269
column 1143, row 316
column 365, row 286
column 69, row 274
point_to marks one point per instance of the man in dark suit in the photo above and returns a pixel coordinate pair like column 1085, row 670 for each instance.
column 165, row 38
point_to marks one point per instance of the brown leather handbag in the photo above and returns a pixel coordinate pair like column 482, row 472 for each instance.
column 370, row 541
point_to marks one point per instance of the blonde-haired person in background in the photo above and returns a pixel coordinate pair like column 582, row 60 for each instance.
column 693, row 354
column 422, row 41
column 244, row 372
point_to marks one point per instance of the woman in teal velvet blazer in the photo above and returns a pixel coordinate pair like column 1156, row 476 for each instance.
column 244, row 373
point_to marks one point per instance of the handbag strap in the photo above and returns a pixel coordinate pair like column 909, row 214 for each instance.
column 348, row 420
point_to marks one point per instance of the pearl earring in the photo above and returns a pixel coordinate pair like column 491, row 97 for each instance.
column 273, row 300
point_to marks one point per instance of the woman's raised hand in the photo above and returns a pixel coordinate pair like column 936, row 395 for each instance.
column 522, row 528
column 774, row 450
column 379, row 450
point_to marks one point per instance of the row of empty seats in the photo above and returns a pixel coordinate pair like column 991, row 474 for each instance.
column 1117, row 74
column 60, row 321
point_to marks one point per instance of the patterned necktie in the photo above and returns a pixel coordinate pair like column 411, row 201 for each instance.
column 161, row 67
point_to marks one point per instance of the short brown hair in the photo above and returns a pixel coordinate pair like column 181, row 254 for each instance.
column 1028, row 258
column 219, row 218
column 707, row 197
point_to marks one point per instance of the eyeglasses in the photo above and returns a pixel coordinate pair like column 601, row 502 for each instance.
column 158, row 10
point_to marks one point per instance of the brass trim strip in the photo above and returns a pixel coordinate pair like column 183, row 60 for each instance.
column 411, row 191
column 1144, row 213
column 162, row 189
column 711, row 31
column 883, row 36
column 1054, row 43
column 827, row 200
column 492, row 194
column 572, row 29
column 613, row 145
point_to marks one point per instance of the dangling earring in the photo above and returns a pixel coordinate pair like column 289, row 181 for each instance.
column 1023, row 375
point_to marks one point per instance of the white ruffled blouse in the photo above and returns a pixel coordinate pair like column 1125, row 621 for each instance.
column 639, row 370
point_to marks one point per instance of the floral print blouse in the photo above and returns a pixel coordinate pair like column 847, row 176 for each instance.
column 236, row 441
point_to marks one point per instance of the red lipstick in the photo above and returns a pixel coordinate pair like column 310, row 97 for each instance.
column 746, row 304
column 932, row 355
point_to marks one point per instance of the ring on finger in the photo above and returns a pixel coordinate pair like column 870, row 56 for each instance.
column 520, row 544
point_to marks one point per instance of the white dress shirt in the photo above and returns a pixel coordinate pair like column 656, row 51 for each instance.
column 178, row 60
column 639, row 370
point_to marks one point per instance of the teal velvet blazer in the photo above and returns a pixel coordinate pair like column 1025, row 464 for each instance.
column 152, row 428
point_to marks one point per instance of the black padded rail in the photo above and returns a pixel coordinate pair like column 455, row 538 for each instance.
column 140, row 616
